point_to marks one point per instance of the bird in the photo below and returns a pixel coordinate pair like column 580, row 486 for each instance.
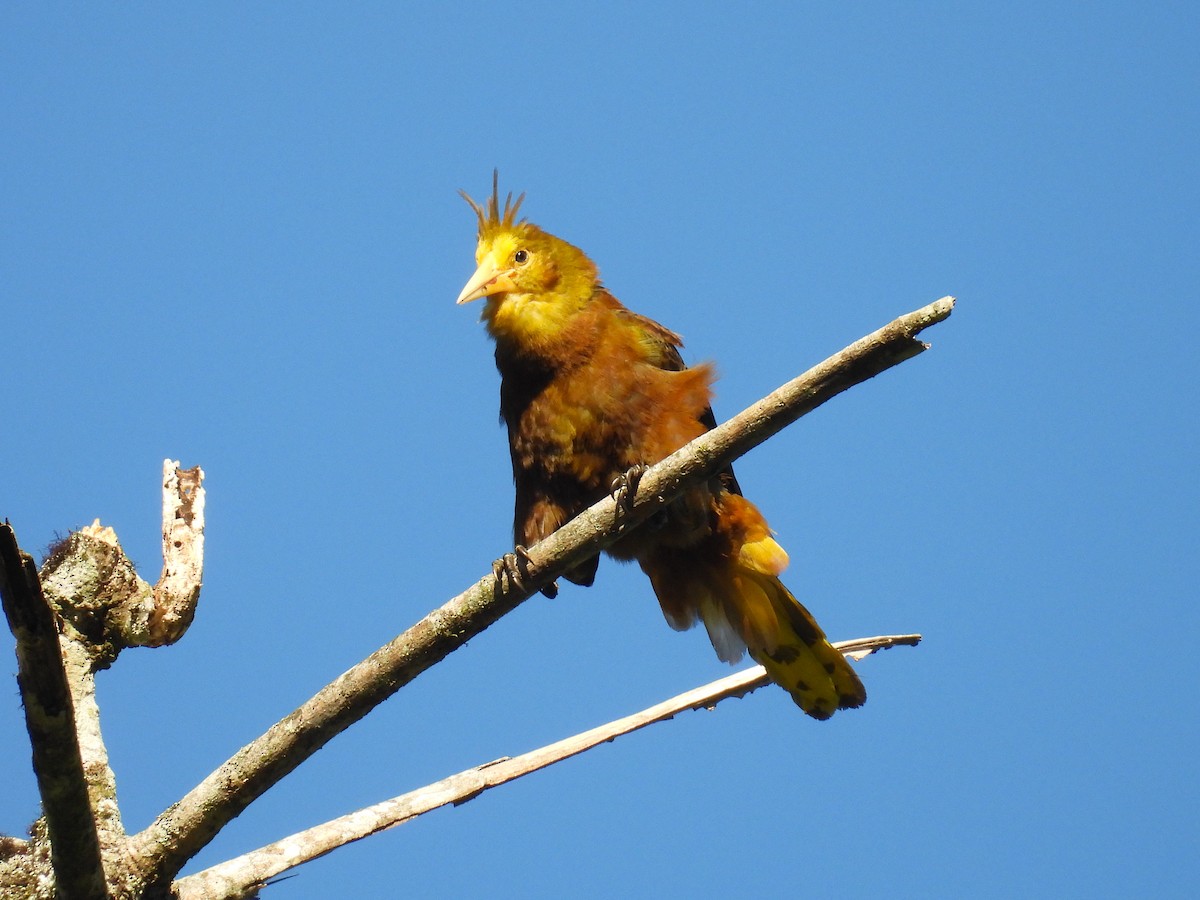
column 591, row 394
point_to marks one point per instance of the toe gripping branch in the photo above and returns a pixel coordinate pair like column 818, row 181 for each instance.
column 511, row 569
column 624, row 489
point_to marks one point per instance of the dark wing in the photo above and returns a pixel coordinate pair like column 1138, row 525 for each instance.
column 542, row 507
column 543, row 504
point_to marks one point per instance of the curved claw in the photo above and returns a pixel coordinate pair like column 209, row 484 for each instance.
column 624, row 488
column 507, row 570
column 510, row 571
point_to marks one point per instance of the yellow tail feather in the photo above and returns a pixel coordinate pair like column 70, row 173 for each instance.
column 801, row 660
column 744, row 607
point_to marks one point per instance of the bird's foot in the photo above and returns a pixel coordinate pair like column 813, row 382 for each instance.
column 624, row 489
column 511, row 569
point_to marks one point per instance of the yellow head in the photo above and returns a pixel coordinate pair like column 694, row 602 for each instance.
column 534, row 282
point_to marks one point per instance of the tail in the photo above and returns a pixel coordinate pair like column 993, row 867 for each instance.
column 729, row 580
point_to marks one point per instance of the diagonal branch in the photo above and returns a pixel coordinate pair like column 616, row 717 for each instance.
column 187, row 826
column 50, row 720
column 238, row 877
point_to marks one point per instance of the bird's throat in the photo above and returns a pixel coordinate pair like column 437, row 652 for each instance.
column 527, row 324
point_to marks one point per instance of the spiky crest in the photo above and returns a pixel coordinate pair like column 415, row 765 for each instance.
column 492, row 219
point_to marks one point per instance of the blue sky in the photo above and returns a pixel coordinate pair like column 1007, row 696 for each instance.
column 231, row 236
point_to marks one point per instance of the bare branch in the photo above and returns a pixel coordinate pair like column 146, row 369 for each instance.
column 178, row 588
column 241, row 876
column 94, row 606
column 50, row 720
column 94, row 586
column 191, row 823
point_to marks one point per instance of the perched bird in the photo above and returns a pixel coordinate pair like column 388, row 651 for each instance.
column 591, row 391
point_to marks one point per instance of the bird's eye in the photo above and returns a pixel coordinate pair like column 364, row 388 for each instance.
column 521, row 257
